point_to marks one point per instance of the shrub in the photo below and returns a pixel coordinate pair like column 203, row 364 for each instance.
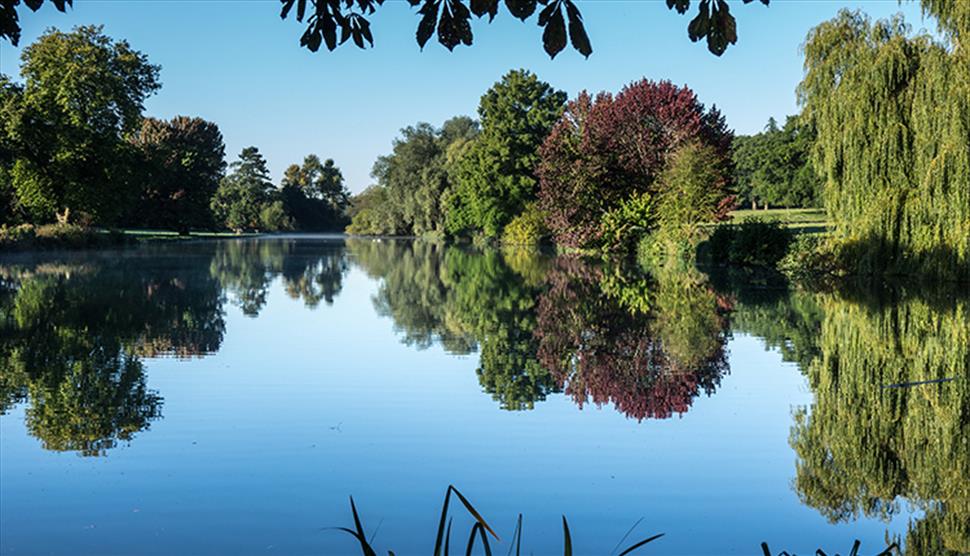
column 628, row 222
column 810, row 256
column 528, row 228
column 751, row 243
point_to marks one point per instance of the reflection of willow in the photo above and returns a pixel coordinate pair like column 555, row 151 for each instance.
column 72, row 338
column 311, row 271
column 863, row 448
column 649, row 348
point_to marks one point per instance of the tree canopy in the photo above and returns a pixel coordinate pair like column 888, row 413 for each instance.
column 773, row 168
column 83, row 95
column 494, row 176
column 893, row 118
column 607, row 151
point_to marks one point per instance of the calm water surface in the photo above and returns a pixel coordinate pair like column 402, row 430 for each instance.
column 228, row 397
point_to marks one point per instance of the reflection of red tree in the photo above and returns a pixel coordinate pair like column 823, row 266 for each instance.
column 598, row 351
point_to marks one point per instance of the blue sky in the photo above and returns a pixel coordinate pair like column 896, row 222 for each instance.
column 236, row 63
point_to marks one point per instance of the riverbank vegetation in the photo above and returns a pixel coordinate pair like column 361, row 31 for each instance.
column 76, row 149
column 649, row 170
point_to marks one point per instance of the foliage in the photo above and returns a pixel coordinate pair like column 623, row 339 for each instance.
column 10, row 21
column 494, row 178
column 873, row 436
column 415, row 181
column 273, row 216
column 72, row 339
column 526, row 229
column 648, row 364
column 183, row 163
column 314, row 195
column 632, row 218
column 692, row 193
column 774, row 167
column 452, row 20
column 606, row 149
column 26, row 237
column 893, row 120
column 83, row 94
column 750, row 243
column 372, row 214
column 243, row 195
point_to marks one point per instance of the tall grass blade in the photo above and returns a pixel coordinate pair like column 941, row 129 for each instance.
column 855, row 548
column 617, row 547
column 364, row 545
column 477, row 528
column 441, row 523
column 516, row 538
column 567, row 549
column 471, row 509
column 448, row 539
column 639, row 544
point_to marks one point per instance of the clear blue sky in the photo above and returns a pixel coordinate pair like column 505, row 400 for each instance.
column 236, row 63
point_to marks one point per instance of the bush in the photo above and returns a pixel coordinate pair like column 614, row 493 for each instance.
column 751, row 243
column 528, row 228
column 809, row 256
column 628, row 222
column 57, row 236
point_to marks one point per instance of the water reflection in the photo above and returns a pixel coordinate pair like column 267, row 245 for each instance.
column 863, row 448
column 75, row 333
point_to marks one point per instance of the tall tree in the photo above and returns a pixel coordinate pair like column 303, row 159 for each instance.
column 893, row 118
column 495, row 177
column 243, row 196
column 774, row 167
column 83, row 94
column 415, row 179
column 184, row 163
column 314, row 194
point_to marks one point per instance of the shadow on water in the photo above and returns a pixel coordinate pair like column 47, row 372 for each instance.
column 75, row 331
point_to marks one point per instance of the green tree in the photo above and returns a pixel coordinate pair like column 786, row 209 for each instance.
column 83, row 94
column 314, row 194
column 184, row 161
column 692, row 192
column 892, row 113
column 245, row 193
column 495, row 177
column 774, row 167
column 415, row 179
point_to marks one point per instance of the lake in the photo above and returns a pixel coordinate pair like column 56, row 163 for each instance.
column 228, row 397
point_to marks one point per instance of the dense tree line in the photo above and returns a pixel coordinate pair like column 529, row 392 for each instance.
column 75, row 147
column 596, row 173
column 773, row 168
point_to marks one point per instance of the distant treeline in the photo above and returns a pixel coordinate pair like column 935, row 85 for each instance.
column 75, row 147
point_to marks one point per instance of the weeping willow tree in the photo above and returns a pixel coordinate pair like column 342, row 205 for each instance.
column 865, row 448
column 892, row 112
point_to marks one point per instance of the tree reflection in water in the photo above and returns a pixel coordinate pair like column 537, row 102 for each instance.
column 75, row 331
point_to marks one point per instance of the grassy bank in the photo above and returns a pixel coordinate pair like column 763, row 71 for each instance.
column 811, row 220
column 28, row 237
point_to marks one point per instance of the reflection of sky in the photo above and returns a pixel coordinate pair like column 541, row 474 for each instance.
column 261, row 444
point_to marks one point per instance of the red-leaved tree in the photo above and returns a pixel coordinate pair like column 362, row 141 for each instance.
column 608, row 148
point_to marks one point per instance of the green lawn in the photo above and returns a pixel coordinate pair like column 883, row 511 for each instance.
column 142, row 234
column 800, row 220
